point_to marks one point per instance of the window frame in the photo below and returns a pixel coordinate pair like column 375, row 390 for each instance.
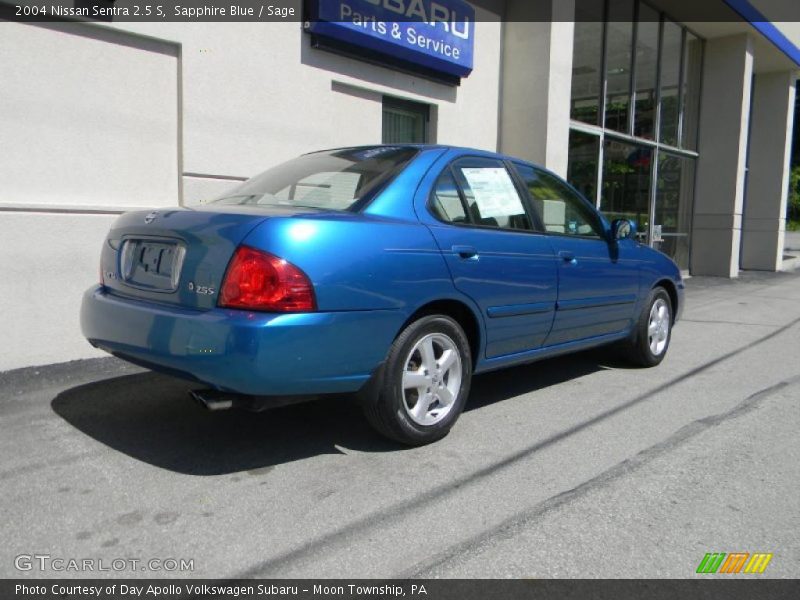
column 537, row 227
column 401, row 105
column 596, row 218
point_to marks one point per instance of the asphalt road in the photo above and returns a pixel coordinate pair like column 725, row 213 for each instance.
column 792, row 241
column 575, row 467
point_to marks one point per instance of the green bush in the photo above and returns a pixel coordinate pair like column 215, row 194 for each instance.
column 793, row 206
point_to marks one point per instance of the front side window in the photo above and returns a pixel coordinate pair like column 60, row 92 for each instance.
column 491, row 197
column 334, row 180
column 561, row 210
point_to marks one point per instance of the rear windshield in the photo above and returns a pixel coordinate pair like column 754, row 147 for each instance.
column 333, row 180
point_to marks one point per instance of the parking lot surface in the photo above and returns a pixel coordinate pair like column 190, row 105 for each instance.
column 575, row 467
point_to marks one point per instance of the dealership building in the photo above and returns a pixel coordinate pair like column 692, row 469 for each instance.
column 677, row 119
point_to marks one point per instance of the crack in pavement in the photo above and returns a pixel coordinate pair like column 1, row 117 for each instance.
column 406, row 507
column 506, row 529
column 718, row 322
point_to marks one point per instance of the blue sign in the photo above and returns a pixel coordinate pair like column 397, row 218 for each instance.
column 437, row 35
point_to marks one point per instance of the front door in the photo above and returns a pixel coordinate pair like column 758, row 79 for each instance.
column 494, row 254
column 598, row 281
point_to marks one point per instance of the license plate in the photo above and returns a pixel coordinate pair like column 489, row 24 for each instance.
column 152, row 264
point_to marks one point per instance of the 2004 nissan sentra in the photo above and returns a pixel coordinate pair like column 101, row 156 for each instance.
column 396, row 272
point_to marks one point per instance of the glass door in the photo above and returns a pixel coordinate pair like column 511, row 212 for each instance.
column 672, row 218
column 626, row 188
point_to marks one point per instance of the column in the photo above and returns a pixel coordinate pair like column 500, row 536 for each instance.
column 536, row 81
column 719, row 191
column 772, row 120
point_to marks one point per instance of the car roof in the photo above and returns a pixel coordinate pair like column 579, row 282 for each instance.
column 458, row 150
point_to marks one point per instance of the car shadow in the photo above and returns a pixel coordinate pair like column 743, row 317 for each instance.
column 503, row 384
column 149, row 417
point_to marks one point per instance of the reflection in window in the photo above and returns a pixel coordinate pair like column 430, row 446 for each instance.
column 626, row 183
column 560, row 209
column 587, row 61
column 582, row 167
column 619, row 43
column 693, row 62
column 674, row 201
column 646, row 72
column 670, row 82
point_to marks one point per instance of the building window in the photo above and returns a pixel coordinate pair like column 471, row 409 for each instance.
column 587, row 62
column 692, row 66
column 405, row 122
column 646, row 73
column 671, row 51
column 635, row 106
column 582, row 167
column 619, row 49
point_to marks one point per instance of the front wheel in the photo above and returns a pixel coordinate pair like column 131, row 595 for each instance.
column 652, row 332
column 420, row 391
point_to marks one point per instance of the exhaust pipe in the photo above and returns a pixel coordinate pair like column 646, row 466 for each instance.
column 212, row 399
column 216, row 400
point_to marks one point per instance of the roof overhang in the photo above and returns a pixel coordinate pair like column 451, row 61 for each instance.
column 773, row 24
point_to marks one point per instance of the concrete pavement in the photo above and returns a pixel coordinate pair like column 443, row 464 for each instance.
column 792, row 241
column 575, row 467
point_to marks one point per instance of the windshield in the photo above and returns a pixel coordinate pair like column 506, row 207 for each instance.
column 333, row 180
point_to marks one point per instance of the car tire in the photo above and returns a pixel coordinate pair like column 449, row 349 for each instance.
column 419, row 392
column 652, row 331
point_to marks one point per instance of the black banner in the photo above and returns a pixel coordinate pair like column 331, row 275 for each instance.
column 401, row 10
column 444, row 589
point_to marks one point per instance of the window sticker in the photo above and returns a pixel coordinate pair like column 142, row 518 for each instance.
column 494, row 191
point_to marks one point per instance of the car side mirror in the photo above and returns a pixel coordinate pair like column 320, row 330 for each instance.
column 622, row 229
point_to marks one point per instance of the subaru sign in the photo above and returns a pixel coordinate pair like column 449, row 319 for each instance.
column 434, row 35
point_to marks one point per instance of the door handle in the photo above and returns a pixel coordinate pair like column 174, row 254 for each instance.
column 465, row 252
column 568, row 256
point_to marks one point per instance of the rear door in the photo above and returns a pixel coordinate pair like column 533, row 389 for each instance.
column 495, row 256
column 598, row 280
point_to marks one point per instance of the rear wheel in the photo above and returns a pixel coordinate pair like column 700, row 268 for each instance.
column 420, row 391
column 653, row 331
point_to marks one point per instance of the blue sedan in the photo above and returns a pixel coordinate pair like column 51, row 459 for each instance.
column 393, row 272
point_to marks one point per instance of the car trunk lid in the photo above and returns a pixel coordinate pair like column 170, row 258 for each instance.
column 178, row 256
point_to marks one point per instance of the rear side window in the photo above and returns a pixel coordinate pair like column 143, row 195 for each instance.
column 490, row 196
column 446, row 202
column 561, row 209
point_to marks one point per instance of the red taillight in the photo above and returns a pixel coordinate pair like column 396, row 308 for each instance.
column 257, row 280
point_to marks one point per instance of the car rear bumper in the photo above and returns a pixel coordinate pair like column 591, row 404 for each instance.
column 240, row 351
